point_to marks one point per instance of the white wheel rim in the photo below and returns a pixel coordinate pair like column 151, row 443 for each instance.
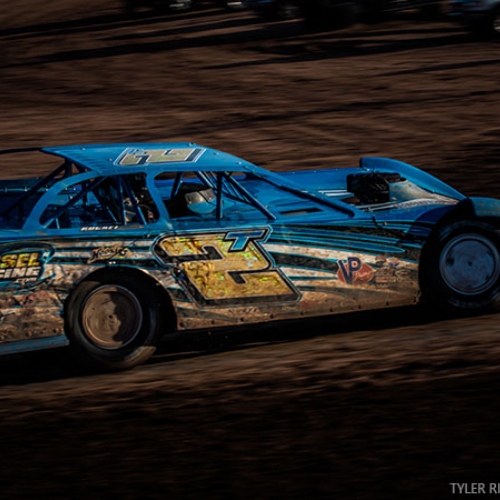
column 470, row 264
column 111, row 317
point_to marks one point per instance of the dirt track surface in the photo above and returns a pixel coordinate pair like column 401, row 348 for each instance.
column 396, row 404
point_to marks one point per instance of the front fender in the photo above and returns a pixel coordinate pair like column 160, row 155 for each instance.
column 485, row 207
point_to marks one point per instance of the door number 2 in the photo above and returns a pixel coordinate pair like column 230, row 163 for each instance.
column 226, row 267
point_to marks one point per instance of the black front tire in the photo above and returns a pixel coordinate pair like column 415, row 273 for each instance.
column 113, row 320
column 461, row 268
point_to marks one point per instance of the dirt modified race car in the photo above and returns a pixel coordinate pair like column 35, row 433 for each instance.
column 122, row 243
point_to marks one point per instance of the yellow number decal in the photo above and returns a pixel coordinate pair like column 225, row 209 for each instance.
column 226, row 267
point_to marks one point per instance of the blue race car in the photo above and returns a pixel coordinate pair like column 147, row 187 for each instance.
column 122, row 243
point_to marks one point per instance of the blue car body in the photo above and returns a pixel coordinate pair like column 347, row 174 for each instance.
column 223, row 241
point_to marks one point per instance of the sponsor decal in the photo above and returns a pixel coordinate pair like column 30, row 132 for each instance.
column 226, row 267
column 137, row 156
column 21, row 266
column 100, row 228
column 353, row 271
column 108, row 253
column 390, row 272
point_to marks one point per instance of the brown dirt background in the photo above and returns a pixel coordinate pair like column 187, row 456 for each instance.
column 387, row 405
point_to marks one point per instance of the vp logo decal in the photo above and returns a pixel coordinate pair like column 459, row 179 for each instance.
column 353, row 270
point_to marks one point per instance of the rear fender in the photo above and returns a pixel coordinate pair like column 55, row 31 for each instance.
column 485, row 209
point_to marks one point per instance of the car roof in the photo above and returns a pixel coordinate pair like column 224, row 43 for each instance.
column 139, row 157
